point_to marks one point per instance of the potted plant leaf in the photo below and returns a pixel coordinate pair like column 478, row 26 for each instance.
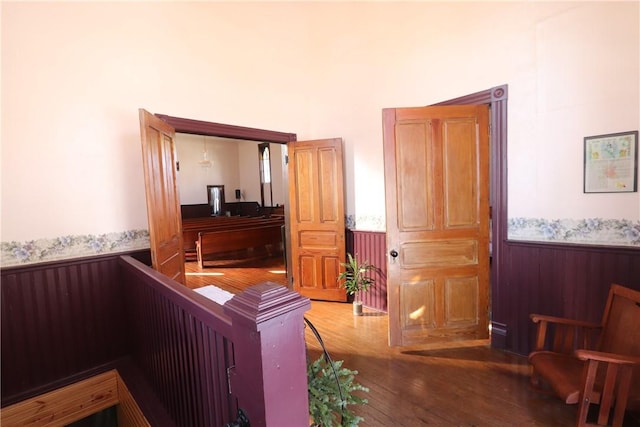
column 331, row 394
column 356, row 279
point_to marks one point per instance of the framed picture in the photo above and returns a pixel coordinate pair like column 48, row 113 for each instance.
column 611, row 163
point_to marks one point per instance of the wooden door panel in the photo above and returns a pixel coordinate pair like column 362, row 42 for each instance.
column 460, row 173
column 328, row 179
column 306, row 271
column 318, row 239
column 171, row 264
column 437, row 181
column 439, row 253
column 418, row 304
column 461, row 301
column 303, row 179
column 317, row 218
column 163, row 203
column 416, row 187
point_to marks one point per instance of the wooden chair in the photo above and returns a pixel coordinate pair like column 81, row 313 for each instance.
column 590, row 363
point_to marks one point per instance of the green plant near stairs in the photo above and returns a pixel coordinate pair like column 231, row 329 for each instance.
column 331, row 393
column 357, row 278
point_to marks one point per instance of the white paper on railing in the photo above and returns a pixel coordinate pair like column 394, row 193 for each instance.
column 214, row 293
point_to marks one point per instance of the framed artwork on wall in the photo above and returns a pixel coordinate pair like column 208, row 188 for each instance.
column 611, row 163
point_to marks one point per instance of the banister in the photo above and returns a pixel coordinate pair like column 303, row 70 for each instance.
column 270, row 374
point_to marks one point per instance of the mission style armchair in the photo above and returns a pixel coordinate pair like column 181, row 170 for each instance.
column 592, row 363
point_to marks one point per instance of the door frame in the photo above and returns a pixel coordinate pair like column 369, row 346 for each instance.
column 200, row 127
column 496, row 97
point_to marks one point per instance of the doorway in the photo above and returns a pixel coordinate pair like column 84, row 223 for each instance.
column 199, row 127
column 496, row 98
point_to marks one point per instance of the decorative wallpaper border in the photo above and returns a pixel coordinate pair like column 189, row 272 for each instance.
column 593, row 231
column 588, row 231
column 43, row 250
column 366, row 222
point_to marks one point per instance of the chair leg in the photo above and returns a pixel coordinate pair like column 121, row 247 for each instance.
column 614, row 393
column 622, row 395
column 588, row 379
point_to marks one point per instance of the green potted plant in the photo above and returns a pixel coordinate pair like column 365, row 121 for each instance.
column 356, row 279
column 331, row 392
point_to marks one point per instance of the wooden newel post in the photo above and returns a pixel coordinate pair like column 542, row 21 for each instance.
column 270, row 374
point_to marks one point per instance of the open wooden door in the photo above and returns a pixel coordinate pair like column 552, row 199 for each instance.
column 316, row 216
column 163, row 202
column 437, row 209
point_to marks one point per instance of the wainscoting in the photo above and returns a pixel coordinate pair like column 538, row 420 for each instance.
column 555, row 279
column 371, row 246
column 59, row 319
column 200, row 362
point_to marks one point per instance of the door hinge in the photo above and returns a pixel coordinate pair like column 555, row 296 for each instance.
column 178, row 166
column 286, row 159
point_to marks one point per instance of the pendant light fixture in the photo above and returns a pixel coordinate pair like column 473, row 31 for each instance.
column 205, row 162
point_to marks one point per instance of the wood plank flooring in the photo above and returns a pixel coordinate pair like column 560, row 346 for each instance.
column 463, row 383
column 235, row 276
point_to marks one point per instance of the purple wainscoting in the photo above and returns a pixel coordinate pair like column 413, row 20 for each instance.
column 371, row 246
column 561, row 280
column 58, row 320
column 66, row 321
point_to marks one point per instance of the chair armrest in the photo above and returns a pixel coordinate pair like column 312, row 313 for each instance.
column 536, row 318
column 601, row 356
column 565, row 335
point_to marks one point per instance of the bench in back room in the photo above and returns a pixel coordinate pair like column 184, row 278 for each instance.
column 190, row 231
column 212, row 243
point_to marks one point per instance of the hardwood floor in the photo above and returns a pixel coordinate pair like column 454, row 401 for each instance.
column 456, row 384
column 463, row 383
column 234, row 276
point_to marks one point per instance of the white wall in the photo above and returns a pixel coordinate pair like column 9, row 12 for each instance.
column 193, row 177
column 234, row 164
column 75, row 73
column 249, row 171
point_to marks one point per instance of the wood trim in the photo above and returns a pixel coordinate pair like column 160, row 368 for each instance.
column 77, row 401
column 621, row 250
column 199, row 127
column 129, row 413
column 66, row 404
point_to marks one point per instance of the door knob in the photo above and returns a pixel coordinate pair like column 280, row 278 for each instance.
column 393, row 253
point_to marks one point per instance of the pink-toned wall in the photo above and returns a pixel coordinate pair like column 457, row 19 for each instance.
column 75, row 73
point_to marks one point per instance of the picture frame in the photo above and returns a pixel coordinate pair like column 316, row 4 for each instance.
column 611, row 163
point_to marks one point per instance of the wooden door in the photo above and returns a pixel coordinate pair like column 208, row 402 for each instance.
column 316, row 220
column 437, row 209
column 163, row 202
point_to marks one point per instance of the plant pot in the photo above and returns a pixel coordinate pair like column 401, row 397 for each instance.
column 357, row 308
